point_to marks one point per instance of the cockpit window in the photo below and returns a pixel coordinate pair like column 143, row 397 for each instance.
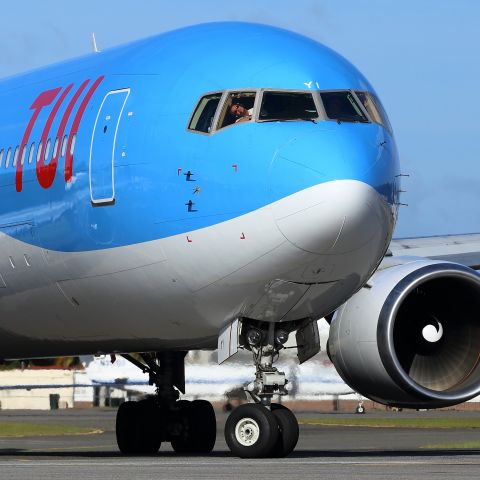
column 374, row 108
column 218, row 110
column 343, row 107
column 282, row 106
column 204, row 114
column 237, row 108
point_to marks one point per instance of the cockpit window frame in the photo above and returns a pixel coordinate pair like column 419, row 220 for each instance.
column 357, row 100
column 221, row 104
column 362, row 106
column 259, row 93
column 215, row 117
column 383, row 114
column 256, row 106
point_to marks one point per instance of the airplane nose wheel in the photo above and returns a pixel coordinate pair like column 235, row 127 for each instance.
column 251, row 431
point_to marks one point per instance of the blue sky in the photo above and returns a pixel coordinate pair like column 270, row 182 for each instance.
column 420, row 55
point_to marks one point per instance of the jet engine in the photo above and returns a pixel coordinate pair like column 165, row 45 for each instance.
column 411, row 336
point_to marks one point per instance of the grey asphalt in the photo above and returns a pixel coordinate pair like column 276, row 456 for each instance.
column 322, row 452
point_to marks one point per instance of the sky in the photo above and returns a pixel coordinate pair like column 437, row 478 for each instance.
column 421, row 56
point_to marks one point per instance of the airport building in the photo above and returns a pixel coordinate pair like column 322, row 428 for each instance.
column 38, row 393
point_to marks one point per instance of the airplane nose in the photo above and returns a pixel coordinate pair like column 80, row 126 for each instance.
column 333, row 209
column 334, row 217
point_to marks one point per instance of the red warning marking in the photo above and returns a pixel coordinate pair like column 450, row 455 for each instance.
column 179, row 171
column 242, row 237
column 188, row 239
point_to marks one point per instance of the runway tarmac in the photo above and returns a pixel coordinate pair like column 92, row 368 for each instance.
column 322, row 452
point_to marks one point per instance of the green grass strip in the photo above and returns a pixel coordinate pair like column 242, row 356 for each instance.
column 473, row 444
column 428, row 422
column 31, row 429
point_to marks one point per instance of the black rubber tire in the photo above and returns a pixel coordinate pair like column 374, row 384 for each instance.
column 137, row 428
column 288, row 431
column 149, row 427
column 126, row 428
column 203, row 426
column 181, row 441
column 266, row 433
column 198, row 431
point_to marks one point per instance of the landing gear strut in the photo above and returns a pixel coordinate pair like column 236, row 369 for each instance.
column 263, row 428
column 142, row 426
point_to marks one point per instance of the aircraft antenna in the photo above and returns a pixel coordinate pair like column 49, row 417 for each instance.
column 94, row 43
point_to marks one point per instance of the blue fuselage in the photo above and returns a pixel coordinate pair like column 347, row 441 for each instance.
column 109, row 161
column 166, row 75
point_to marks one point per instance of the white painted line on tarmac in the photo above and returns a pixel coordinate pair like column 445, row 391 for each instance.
column 185, row 462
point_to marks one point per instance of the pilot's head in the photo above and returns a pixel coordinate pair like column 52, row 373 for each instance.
column 238, row 110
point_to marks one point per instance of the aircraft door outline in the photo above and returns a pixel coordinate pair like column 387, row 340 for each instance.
column 102, row 148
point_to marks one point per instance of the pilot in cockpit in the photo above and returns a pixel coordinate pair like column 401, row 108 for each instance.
column 240, row 113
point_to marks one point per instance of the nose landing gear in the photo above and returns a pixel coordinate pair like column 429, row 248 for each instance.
column 263, row 428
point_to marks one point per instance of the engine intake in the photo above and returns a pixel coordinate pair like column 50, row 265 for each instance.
column 411, row 337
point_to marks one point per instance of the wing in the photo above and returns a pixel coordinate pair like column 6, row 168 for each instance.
column 464, row 249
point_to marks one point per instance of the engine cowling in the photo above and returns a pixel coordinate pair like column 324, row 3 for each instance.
column 411, row 336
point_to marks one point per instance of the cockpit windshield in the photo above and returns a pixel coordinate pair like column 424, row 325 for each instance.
column 374, row 108
column 204, row 114
column 218, row 110
column 282, row 106
column 343, row 107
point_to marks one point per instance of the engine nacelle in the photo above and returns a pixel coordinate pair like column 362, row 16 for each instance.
column 411, row 336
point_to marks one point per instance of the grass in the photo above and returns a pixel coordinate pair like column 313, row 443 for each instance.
column 31, row 429
column 460, row 445
column 395, row 422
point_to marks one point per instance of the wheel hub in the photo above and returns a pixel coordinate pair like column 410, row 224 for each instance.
column 247, row 432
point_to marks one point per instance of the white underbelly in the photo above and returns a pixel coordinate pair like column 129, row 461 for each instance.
column 179, row 291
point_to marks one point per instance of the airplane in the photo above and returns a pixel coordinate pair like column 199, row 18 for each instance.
column 222, row 186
